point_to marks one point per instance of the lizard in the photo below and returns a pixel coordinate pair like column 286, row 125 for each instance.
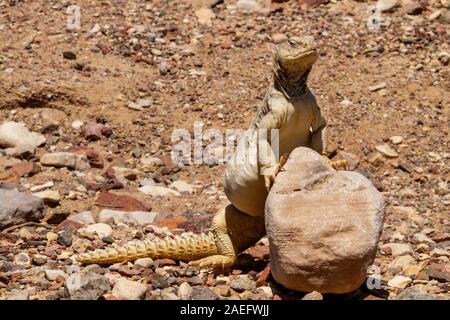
column 291, row 108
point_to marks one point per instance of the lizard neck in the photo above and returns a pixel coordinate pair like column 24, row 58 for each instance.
column 291, row 85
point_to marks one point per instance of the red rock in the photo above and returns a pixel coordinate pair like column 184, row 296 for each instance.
column 69, row 226
column 165, row 262
column 109, row 297
column 171, row 223
column 259, row 252
column 313, row 3
column 111, row 183
column 276, row 7
column 93, row 131
column 261, row 278
column 120, row 202
column 26, row 168
column 94, row 157
column 441, row 237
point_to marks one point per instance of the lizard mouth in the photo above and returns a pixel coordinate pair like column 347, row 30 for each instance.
column 302, row 55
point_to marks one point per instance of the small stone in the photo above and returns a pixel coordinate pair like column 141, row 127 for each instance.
column 195, row 281
column 65, row 159
column 157, row 191
column 201, row 293
column 64, row 239
column 144, row 262
column 387, row 151
column 84, row 217
column 18, row 140
column 242, row 283
column 50, row 197
column 17, row 294
column 92, row 286
column 313, row 296
column 184, row 290
column 396, row 139
column 182, row 187
column 39, row 260
column 52, row 275
column 377, row 87
column 23, row 259
column 51, row 236
column 205, row 15
column 398, row 249
column 415, row 294
column 125, row 289
column 77, row 124
column 386, row 5
column 279, row 37
column 400, row 282
column 434, row 15
column 120, row 202
column 403, row 262
column 159, row 281
column 440, row 253
column 101, row 229
column 222, row 290
column 69, row 55
column 93, row 131
column 17, row 208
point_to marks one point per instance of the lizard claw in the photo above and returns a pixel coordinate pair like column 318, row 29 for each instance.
column 268, row 181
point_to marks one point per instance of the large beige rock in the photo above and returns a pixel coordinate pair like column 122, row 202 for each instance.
column 323, row 225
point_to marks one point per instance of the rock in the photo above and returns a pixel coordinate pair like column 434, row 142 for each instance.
column 413, row 7
column 159, row 281
column 17, row 294
column 184, row 291
column 41, row 187
column 434, row 15
column 205, row 15
column 120, row 202
column 18, row 139
column 94, row 157
column 252, row 5
column 386, row 5
column 440, row 253
column 400, row 282
column 323, row 225
column 92, row 286
column 408, row 212
column 52, row 275
column 64, row 239
column 39, row 260
column 378, row 86
column 77, row 124
column 242, row 283
column 438, row 275
column 17, row 208
column 403, row 262
column 279, row 37
column 415, row 294
column 398, row 249
column 352, row 161
column 201, row 293
column 387, row 151
column 129, row 290
column 21, row 169
column 396, row 139
column 182, row 187
column 140, row 218
column 51, row 236
column 157, row 191
column 129, row 174
column 84, row 217
column 313, row 3
column 23, row 259
column 144, row 262
column 49, row 196
column 69, row 55
column 101, row 229
column 65, row 159
column 140, row 104
column 313, row 296
column 94, row 131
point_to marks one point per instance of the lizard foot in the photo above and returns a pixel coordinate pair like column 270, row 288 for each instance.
column 216, row 261
column 337, row 165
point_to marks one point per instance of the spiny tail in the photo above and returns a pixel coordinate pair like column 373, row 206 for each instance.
column 185, row 248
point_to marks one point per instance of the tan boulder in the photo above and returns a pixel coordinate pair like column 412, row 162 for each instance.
column 323, row 225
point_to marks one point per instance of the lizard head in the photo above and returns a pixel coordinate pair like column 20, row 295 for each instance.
column 296, row 55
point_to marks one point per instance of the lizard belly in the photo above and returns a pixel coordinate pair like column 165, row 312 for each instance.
column 244, row 188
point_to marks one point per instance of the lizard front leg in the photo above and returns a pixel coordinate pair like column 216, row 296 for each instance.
column 234, row 231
